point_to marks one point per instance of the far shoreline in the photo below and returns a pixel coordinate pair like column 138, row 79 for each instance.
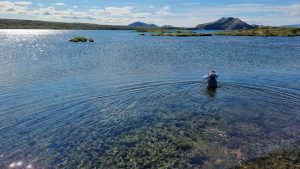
column 258, row 32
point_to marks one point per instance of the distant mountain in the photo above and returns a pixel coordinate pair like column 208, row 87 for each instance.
column 168, row 27
column 257, row 26
column 142, row 24
column 228, row 23
column 292, row 26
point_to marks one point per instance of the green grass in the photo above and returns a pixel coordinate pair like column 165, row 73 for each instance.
column 263, row 31
column 81, row 39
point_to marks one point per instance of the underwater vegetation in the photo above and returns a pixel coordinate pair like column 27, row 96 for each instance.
column 175, row 145
column 288, row 157
column 187, row 140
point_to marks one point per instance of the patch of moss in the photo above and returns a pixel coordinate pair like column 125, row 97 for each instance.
column 81, row 39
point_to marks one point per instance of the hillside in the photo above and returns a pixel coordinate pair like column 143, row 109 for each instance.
column 141, row 24
column 228, row 23
column 168, row 27
column 33, row 24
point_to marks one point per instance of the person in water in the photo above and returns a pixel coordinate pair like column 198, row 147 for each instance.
column 211, row 79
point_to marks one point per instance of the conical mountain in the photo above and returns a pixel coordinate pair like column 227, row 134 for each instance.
column 226, row 23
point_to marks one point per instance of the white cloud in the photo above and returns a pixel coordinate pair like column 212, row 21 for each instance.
column 119, row 11
column 96, row 11
column 14, row 7
column 60, row 4
column 75, row 6
column 40, row 5
column 23, row 3
column 292, row 10
column 142, row 15
column 6, row 4
column 190, row 4
column 164, row 11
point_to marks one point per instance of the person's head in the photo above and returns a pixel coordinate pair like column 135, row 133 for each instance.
column 212, row 72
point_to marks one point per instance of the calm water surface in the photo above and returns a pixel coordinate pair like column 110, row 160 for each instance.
column 130, row 101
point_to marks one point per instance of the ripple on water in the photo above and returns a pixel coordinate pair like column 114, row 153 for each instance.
column 180, row 120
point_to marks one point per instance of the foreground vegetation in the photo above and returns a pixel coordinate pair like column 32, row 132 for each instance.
column 263, row 31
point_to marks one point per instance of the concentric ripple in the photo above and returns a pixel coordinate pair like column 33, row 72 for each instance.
column 189, row 124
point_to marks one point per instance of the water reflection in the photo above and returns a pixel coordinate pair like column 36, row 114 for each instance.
column 20, row 164
column 30, row 32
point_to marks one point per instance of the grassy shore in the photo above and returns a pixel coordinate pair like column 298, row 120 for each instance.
column 263, row 31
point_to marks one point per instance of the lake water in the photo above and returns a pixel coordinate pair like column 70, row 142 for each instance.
column 131, row 101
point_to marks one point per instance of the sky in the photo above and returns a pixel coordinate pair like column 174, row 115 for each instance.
column 187, row 13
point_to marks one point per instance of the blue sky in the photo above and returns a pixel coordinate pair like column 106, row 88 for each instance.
column 161, row 12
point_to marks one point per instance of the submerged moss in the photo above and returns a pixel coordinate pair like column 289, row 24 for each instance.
column 288, row 157
column 174, row 145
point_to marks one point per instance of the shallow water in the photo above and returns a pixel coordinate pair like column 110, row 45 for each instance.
column 130, row 101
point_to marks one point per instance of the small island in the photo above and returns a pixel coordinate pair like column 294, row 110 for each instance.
column 81, row 39
column 262, row 31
